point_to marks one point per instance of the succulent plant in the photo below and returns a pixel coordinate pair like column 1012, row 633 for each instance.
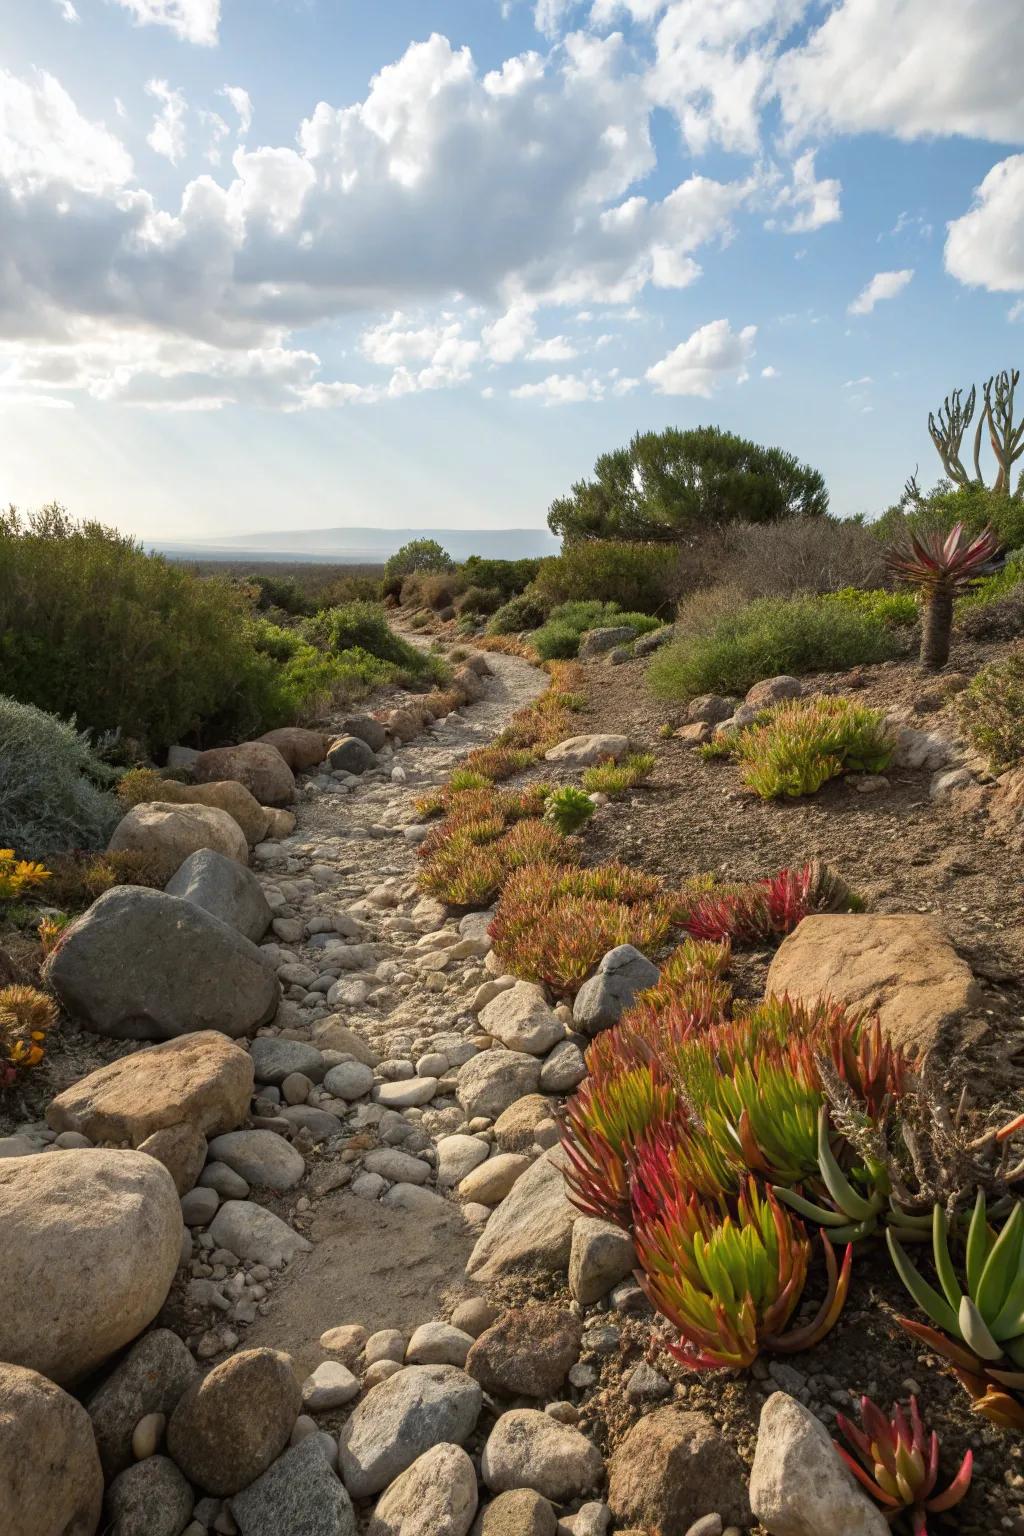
column 941, row 566
column 25, row 1016
column 568, row 808
column 898, row 1463
column 765, row 909
column 797, row 746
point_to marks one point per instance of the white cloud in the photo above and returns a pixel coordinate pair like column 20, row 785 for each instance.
column 446, row 354
column 884, row 285
column 218, row 131
column 561, row 389
column 548, row 15
column 194, row 21
column 985, row 246
column 908, row 67
column 240, row 99
column 167, row 135
column 67, row 10
column 509, row 336
column 813, row 203
column 44, row 139
column 714, row 355
column 555, row 349
column 769, row 372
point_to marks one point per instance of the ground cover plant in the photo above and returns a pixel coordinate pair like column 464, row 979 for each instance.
column 487, row 833
column 991, row 711
column 615, row 779
column 797, row 746
column 51, row 797
column 26, row 1015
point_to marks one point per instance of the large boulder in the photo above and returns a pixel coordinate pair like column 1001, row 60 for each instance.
column 301, row 749
column 350, row 754
column 901, row 967
column 50, row 1478
column 229, row 1426
column 256, row 764
column 585, row 751
column 674, row 1467
column 798, row 1485
column 204, row 1079
column 401, row 1418
column 224, row 888
column 773, row 690
column 601, row 1001
column 300, row 1495
column 142, row 965
column 367, row 729
column 531, row 1228
column 224, row 795
column 151, row 1378
column 91, row 1240
column 166, row 834
column 521, row 1019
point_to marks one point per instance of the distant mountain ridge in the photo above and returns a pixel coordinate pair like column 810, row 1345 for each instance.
column 366, row 545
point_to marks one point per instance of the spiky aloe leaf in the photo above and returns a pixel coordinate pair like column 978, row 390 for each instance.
column 951, row 562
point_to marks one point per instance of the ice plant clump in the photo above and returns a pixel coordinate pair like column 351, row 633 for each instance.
column 898, row 1463
column 568, row 808
column 766, row 909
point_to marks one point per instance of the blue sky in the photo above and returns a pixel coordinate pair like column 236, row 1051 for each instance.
column 301, row 263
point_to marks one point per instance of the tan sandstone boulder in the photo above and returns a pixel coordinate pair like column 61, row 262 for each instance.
column 224, row 795
column 91, row 1240
column 902, row 967
column 204, row 1079
column 50, row 1478
column 167, row 834
column 256, row 764
column 301, row 749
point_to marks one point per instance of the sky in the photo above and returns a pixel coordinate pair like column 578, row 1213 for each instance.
column 271, row 264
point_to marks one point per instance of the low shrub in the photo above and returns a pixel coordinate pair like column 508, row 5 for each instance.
column 470, row 857
column 991, row 711
column 429, row 589
column 568, row 808
column 25, row 1017
column 554, row 925
column 645, row 577
column 499, row 762
column 527, row 611
column 477, row 600
column 614, row 779
column 899, row 609
column 560, row 637
column 507, row 577
column 50, row 798
column 77, row 879
column 363, row 627
column 767, row 638
column 762, row 911
column 795, row 557
column 797, row 746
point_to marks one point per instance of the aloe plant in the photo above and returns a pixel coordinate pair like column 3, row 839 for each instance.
column 852, row 1213
column 941, row 567
column 898, row 1463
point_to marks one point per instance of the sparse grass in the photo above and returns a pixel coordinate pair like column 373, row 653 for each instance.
column 614, row 779
column 991, row 711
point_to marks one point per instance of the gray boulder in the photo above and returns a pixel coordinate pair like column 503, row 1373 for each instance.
column 367, row 729
column 436, row 1496
column 299, row 1495
column 224, row 888
column 232, row 1424
column 50, row 1478
column 149, row 1499
column 142, row 965
column 531, row 1228
column 260, row 1157
column 274, row 1058
column 711, row 708
column 350, row 754
column 654, row 640
column 406, row 1415
column 603, row 999
column 798, row 1485
column 253, row 1232
column 490, row 1082
column 152, row 1377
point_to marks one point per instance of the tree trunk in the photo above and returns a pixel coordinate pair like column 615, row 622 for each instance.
column 936, row 628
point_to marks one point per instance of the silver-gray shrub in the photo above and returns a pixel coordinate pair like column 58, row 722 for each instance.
column 49, row 802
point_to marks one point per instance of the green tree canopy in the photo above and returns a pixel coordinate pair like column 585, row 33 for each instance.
column 418, row 555
column 668, row 484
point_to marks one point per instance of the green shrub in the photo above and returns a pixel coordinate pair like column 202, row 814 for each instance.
column 417, row 555
column 430, row 589
column 767, row 638
column 507, row 576
column 527, row 611
column 895, row 608
column 991, row 711
column 976, row 506
column 638, row 576
column 50, row 801
column 478, row 600
column 363, row 627
column 559, row 639
column 798, row 746
column 281, row 592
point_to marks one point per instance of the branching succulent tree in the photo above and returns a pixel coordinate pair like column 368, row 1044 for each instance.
column 941, row 566
column 949, row 424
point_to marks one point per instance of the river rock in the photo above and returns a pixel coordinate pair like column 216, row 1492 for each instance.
column 436, row 1496
column 274, row 1058
column 330, row 1386
column 150, row 1498
column 530, row 1229
column 798, row 1485
column 530, row 1449
column 228, row 1428
column 902, row 967
column 142, row 965
column 515, row 1127
column 585, row 751
column 204, row 1080
column 672, row 1468
column 50, row 1478
column 252, row 818
column 564, row 1069
column 333, row 1035
column 224, row 888
column 150, row 1379
column 299, row 1496
column 91, row 1241
column 182, row 1150
column 519, row 1513
column 367, row 729
column 349, row 754
column 492, row 1181
column 528, row 1352
column 457, row 1156
column 166, row 834
column 413, row 1410
column 255, row 1233
column 261, row 1158
column 256, row 764
column 601, row 1255
column 438, row 1343
column 772, row 690
column 521, row 1019
column 490, row 1082
column 349, row 1080
column 601, row 1001
column 301, row 749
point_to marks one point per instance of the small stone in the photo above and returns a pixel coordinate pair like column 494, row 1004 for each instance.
column 645, row 1382
column 397, row 1167
column 252, row 1232
column 671, row 1466
column 404, row 1095
column 564, row 1069
column 199, row 1206
column 349, row 1080
column 601, row 1255
column 417, row 1408
column 527, row 1352
column 436, row 1496
column 147, row 1435
column 380, row 1371
column 385, row 1344
column 330, row 1386
column 491, row 1181
column 516, row 1127
column 299, row 1493
column 457, row 1156
column 228, row 1184
column 529, row 1449
column 228, row 1427
column 798, row 1485
column 522, row 1020
column 707, row 1525
column 346, row 1342
column 521, row 1512
column 473, row 1315
column 438, row 1343
column 262, row 1157
column 150, row 1498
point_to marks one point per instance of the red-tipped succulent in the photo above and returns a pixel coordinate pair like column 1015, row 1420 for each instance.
column 897, row 1461
column 941, row 566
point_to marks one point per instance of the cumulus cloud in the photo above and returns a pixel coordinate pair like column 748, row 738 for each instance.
column 194, row 21
column 714, row 355
column 554, row 349
column 561, row 389
column 44, row 139
column 985, row 246
column 812, row 203
column 167, row 135
column 240, row 99
column 884, row 285
column 67, row 10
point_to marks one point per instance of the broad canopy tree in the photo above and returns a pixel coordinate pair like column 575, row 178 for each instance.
column 668, row 485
